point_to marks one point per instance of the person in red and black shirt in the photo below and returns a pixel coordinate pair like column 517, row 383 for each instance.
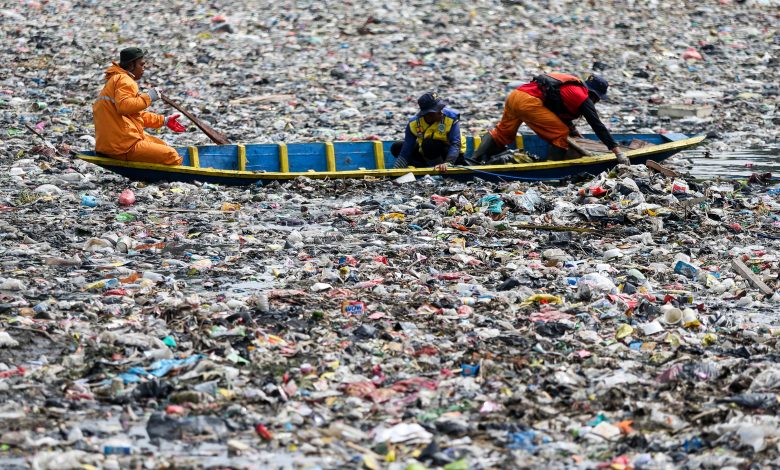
column 548, row 105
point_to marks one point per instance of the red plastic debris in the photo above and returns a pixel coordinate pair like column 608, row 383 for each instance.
column 10, row 373
column 691, row 53
column 263, row 432
column 127, row 198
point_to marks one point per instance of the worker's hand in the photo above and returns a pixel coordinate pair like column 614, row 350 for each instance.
column 442, row 167
column 174, row 125
column 573, row 132
column 621, row 158
column 154, row 93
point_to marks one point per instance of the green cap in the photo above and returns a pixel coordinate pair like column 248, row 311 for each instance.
column 130, row 54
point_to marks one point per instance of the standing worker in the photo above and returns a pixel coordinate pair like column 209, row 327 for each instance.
column 548, row 105
column 432, row 137
column 120, row 118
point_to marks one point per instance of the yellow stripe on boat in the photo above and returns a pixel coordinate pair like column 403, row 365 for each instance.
column 379, row 155
column 194, row 158
column 241, row 157
column 284, row 160
column 330, row 156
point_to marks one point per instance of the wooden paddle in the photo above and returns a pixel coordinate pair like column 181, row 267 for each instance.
column 216, row 137
column 578, row 147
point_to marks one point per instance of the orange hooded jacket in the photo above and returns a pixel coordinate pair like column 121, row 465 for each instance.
column 119, row 114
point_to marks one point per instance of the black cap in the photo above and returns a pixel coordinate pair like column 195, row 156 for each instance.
column 430, row 103
column 130, row 54
column 598, row 86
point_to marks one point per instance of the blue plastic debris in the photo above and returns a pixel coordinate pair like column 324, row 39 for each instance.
column 524, row 440
column 467, row 370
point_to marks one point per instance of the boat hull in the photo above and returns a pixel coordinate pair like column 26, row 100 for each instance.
column 217, row 164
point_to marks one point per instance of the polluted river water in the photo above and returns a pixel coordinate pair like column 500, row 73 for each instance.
column 732, row 164
column 628, row 320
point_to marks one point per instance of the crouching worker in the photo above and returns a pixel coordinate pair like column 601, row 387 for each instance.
column 120, row 118
column 548, row 105
column 432, row 137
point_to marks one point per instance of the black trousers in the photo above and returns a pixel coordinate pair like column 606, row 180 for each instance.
column 434, row 153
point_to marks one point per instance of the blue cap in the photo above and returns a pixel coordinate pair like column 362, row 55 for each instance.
column 597, row 85
column 430, row 103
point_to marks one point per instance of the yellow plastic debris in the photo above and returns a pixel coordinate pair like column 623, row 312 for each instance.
column 623, row 331
column 542, row 299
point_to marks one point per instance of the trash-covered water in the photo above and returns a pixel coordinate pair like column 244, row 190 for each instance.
column 730, row 164
column 628, row 321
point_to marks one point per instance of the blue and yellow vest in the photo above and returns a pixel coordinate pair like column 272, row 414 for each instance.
column 437, row 130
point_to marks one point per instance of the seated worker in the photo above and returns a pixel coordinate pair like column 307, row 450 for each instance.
column 432, row 137
column 120, row 118
column 548, row 105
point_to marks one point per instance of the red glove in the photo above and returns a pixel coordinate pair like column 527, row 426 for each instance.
column 174, row 125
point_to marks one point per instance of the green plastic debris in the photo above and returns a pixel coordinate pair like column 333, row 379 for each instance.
column 415, row 466
column 461, row 464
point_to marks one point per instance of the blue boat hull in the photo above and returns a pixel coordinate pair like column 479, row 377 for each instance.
column 263, row 163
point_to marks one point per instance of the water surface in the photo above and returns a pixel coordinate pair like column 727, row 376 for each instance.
column 711, row 163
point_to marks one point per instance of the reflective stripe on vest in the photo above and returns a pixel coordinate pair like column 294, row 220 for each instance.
column 106, row 98
column 436, row 131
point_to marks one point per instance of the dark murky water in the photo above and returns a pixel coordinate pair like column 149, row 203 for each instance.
column 733, row 164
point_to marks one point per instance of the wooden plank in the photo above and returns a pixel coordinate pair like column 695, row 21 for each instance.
column 588, row 144
column 657, row 167
column 750, row 276
column 379, row 155
column 284, row 160
column 330, row 156
column 638, row 144
column 241, row 157
column 194, row 158
column 578, row 147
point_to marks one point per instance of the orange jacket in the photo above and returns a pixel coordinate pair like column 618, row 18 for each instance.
column 119, row 114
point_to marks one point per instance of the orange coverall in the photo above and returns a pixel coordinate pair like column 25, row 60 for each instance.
column 120, row 120
column 520, row 107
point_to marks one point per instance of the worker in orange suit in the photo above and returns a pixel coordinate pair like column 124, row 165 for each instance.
column 120, row 118
column 549, row 105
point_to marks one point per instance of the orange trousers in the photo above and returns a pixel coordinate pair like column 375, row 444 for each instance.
column 520, row 107
column 152, row 150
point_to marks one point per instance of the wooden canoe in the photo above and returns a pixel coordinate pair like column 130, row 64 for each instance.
column 253, row 163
